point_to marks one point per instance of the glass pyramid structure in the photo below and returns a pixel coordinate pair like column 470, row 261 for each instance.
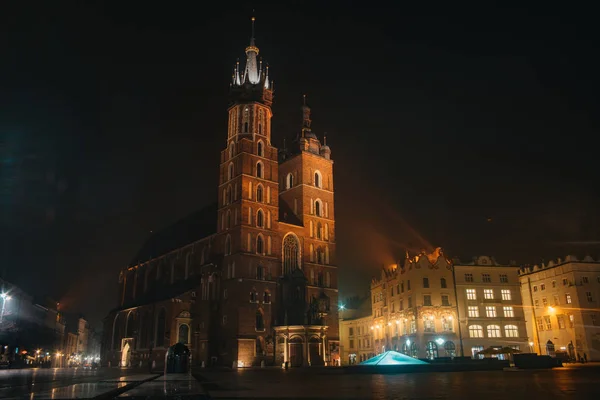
column 392, row 358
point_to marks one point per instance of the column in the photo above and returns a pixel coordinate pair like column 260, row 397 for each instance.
column 286, row 351
column 324, row 354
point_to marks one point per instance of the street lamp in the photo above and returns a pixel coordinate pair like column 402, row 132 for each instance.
column 5, row 298
column 531, row 347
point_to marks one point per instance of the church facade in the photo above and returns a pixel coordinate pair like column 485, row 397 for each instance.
column 253, row 278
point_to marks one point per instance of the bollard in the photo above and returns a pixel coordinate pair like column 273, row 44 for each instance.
column 203, row 365
column 262, row 364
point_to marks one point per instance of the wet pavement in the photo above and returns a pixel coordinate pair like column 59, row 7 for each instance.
column 66, row 383
column 579, row 382
column 571, row 382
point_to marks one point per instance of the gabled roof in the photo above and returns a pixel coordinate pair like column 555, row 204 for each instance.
column 192, row 228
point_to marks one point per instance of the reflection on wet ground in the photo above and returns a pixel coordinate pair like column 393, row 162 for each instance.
column 581, row 383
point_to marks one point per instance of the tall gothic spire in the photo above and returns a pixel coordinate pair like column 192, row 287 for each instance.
column 252, row 73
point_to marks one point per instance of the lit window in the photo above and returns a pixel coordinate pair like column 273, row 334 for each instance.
column 488, row 294
column 486, row 278
column 471, row 295
column 503, row 278
column 571, row 320
column 568, row 298
column 468, row 277
column 473, row 312
column 548, row 322
column 506, row 295
column 561, row 321
column 490, row 311
column 493, row 331
column 476, row 331
column 511, row 331
column 428, row 324
column 540, row 323
column 447, row 325
column 508, row 312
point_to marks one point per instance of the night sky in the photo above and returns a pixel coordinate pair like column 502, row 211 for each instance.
column 470, row 129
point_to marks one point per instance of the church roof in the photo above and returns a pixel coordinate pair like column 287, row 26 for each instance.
column 192, row 228
column 287, row 215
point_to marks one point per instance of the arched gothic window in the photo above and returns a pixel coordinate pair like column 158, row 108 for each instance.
column 260, row 245
column 246, row 118
column 161, row 321
column 259, row 170
column 318, row 208
column 184, row 334
column 228, row 225
column 231, row 150
column 260, row 322
column 259, row 147
column 228, row 195
column 289, row 181
column 130, row 325
column 260, row 218
column 260, row 122
column 291, row 254
column 318, row 180
column 230, row 172
column 228, row 245
column 259, row 193
column 319, row 230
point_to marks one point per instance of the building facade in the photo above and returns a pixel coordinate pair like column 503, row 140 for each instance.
column 356, row 336
column 254, row 278
column 562, row 308
column 490, row 307
column 414, row 308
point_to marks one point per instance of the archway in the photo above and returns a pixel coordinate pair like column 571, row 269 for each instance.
column 296, row 353
column 314, row 351
column 125, row 355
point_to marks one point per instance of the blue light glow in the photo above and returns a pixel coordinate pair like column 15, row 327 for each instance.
column 392, row 358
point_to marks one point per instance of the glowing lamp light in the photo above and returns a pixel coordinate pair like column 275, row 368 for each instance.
column 531, row 344
column 397, row 321
column 240, row 364
column 389, row 324
column 372, row 328
column 342, row 307
column 439, row 341
column 550, row 309
column 408, row 342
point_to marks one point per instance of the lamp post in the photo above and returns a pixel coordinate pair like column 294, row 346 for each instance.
column 5, row 298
